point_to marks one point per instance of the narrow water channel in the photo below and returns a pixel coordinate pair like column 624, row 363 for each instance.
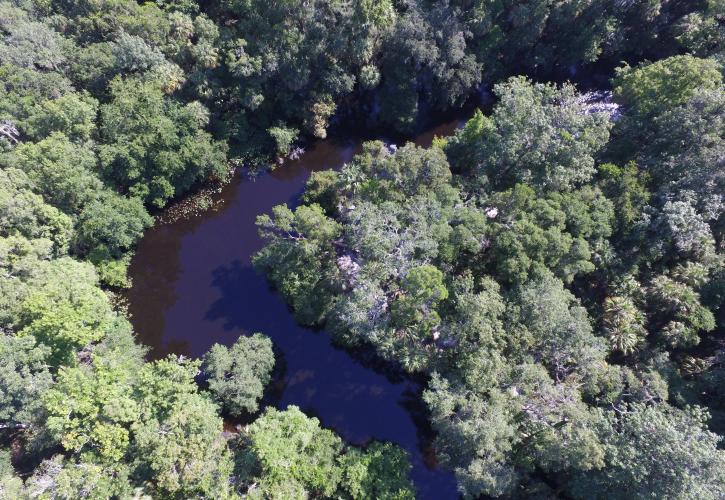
column 194, row 285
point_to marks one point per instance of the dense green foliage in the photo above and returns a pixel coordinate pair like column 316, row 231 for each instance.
column 287, row 454
column 237, row 375
column 555, row 268
column 553, row 280
column 74, row 378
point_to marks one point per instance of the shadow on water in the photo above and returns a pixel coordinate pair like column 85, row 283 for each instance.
column 194, row 285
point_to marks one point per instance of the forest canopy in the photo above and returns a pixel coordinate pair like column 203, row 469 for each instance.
column 554, row 270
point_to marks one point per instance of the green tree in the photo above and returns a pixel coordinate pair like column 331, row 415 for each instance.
column 162, row 383
column 415, row 310
column 679, row 315
column 73, row 114
column 474, row 327
column 26, row 90
column 24, row 378
column 28, row 43
column 701, row 31
column 385, row 175
column 58, row 477
column 656, row 451
column 531, row 234
column 283, row 137
column 292, row 453
column 10, row 484
column 538, row 134
column 24, row 213
column 687, row 147
column 623, row 323
column 497, row 435
column 627, row 188
column 61, row 171
column 154, row 147
column 462, row 148
column 110, row 224
column 651, row 89
column 184, row 453
column 380, row 471
column 238, row 375
column 478, row 458
column 297, row 257
column 91, row 408
column 321, row 188
column 23, row 263
column 557, row 329
column 65, row 310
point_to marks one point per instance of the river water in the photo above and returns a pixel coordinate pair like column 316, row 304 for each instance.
column 194, row 285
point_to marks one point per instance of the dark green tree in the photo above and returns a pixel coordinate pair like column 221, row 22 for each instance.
column 238, row 375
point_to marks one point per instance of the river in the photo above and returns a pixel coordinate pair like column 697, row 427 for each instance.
column 194, row 285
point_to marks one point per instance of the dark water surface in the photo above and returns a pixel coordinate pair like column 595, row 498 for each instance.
column 194, row 285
